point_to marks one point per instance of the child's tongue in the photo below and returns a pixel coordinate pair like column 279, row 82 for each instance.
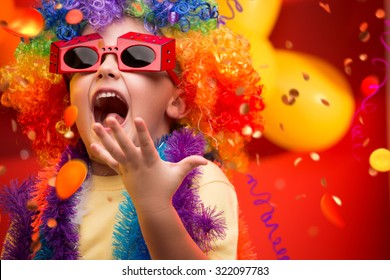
column 114, row 115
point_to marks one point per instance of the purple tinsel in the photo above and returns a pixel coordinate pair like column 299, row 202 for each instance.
column 204, row 224
column 13, row 201
column 62, row 240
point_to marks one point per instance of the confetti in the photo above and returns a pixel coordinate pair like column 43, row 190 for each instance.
column 288, row 44
column 244, row 108
column 24, row 154
column 22, row 81
column 74, row 16
column 281, row 127
column 305, row 76
column 313, row 231
column 331, row 210
column 69, row 134
column 326, row 7
column 240, row 91
column 297, row 161
column 315, row 156
column 70, row 177
column 300, row 196
column 280, row 184
column 337, row 200
column 51, row 223
column 324, row 182
column 3, row 170
column 4, row 86
column 257, row 134
column 369, row 85
column 325, row 102
column 380, row 160
column 14, row 125
column 363, row 57
column 372, row 172
column 31, row 135
column 364, row 36
column 32, row 205
column 363, row 27
column 247, row 130
column 70, row 115
column 52, row 182
column 257, row 159
column 231, row 142
column 347, row 61
column 58, row 6
column 380, row 13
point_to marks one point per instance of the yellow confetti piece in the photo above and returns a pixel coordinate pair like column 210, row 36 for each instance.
column 257, row 134
column 337, row 200
column 315, row 156
column 380, row 160
column 31, row 135
column 297, row 161
column 52, row 182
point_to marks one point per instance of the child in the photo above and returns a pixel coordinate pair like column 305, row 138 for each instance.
column 137, row 202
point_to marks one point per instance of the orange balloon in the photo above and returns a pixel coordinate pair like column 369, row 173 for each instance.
column 70, row 115
column 70, row 177
column 8, row 43
column 26, row 22
column 330, row 209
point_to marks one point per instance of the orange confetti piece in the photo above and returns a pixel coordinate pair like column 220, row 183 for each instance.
column 74, row 16
column 70, row 177
column 330, row 209
column 27, row 22
column 137, row 7
column 70, row 115
column 51, row 223
column 325, row 6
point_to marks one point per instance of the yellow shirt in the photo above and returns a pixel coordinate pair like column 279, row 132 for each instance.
column 105, row 194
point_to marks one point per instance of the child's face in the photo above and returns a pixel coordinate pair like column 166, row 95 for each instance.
column 124, row 95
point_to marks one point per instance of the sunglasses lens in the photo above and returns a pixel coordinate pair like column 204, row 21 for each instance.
column 138, row 56
column 80, row 58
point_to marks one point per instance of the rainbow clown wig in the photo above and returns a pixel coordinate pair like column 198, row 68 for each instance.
column 222, row 89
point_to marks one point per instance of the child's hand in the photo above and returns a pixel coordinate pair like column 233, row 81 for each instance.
column 150, row 181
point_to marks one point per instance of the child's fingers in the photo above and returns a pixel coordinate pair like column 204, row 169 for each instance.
column 146, row 143
column 123, row 140
column 108, row 143
column 103, row 155
column 191, row 162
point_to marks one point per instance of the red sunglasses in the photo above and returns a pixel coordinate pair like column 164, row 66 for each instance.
column 135, row 52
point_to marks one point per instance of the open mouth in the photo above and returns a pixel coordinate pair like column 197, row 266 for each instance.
column 109, row 104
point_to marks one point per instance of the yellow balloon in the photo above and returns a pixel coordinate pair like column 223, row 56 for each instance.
column 311, row 106
column 380, row 160
column 263, row 60
column 252, row 18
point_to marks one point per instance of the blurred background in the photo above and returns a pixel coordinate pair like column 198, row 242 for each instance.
column 318, row 182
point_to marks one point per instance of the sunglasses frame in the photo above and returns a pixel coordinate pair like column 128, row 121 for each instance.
column 163, row 48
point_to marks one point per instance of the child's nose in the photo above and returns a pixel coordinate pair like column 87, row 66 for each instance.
column 108, row 67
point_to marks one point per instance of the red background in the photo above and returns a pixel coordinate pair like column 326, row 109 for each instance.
column 296, row 191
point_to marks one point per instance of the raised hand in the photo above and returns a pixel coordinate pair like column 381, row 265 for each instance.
column 150, row 181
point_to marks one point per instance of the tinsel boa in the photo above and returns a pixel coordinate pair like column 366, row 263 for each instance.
column 205, row 225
